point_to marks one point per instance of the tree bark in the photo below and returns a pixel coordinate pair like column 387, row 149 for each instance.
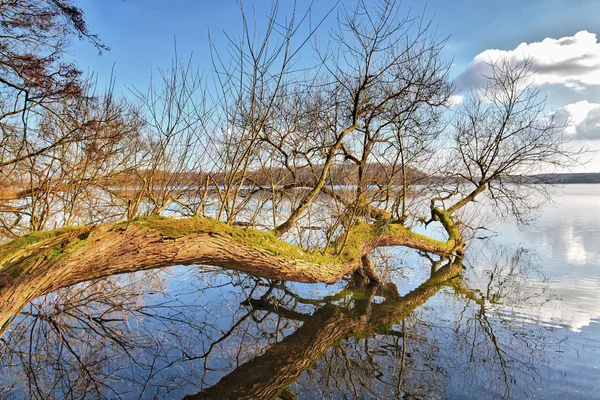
column 82, row 254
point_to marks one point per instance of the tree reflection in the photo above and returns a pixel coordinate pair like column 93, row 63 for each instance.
column 148, row 335
column 504, row 298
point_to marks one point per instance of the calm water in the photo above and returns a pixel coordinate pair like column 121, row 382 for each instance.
column 523, row 321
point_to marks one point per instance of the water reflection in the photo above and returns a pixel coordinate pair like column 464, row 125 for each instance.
column 567, row 232
column 567, row 241
column 206, row 334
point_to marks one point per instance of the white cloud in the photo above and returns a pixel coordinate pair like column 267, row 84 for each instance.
column 576, row 86
column 573, row 61
column 581, row 120
column 455, row 101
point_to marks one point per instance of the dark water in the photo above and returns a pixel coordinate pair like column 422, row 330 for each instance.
column 523, row 321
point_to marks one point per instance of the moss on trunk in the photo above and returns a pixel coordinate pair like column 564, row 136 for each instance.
column 42, row 262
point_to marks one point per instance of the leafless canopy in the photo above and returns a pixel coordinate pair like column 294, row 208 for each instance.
column 344, row 153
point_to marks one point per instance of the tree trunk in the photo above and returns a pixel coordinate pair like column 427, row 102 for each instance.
column 69, row 256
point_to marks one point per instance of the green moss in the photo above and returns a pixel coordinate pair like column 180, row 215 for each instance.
column 368, row 233
column 397, row 229
column 360, row 234
column 446, row 221
column 10, row 248
column 55, row 252
column 261, row 240
column 67, row 246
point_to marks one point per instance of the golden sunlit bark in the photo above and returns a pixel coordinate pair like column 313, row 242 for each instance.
column 43, row 262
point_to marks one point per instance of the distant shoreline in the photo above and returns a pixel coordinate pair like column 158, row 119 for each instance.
column 569, row 178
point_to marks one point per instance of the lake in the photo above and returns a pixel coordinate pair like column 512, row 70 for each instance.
column 523, row 321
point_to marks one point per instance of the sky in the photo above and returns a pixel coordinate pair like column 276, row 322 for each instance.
column 560, row 36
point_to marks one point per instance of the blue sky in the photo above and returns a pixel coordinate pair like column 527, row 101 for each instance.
column 558, row 34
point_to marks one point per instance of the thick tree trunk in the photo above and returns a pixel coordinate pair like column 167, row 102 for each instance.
column 80, row 254
column 57, row 263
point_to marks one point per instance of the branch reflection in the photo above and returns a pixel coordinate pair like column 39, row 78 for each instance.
column 183, row 330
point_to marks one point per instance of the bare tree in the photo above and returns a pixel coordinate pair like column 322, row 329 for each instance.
column 337, row 143
column 67, row 184
column 175, row 112
column 33, row 72
column 501, row 139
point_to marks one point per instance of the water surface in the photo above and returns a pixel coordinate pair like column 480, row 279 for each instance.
column 523, row 321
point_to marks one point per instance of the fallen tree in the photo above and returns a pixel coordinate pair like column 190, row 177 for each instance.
column 42, row 262
column 379, row 101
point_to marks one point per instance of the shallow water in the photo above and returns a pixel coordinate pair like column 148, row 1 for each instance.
column 522, row 322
